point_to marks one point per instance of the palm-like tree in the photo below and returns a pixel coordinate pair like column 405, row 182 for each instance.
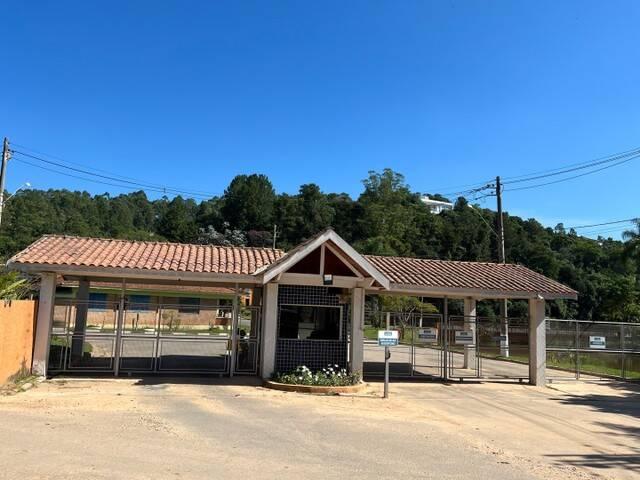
column 632, row 242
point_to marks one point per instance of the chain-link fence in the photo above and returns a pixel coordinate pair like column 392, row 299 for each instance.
column 585, row 350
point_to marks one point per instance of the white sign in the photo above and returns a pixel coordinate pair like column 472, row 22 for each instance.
column 388, row 338
column 599, row 343
column 464, row 337
column 428, row 334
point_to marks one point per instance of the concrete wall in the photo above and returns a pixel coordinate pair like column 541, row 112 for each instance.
column 17, row 320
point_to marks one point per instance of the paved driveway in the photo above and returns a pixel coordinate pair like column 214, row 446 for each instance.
column 150, row 428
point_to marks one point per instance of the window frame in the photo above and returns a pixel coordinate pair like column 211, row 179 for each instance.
column 340, row 322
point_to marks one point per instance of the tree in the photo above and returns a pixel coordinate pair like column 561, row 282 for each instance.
column 386, row 216
column 248, row 203
column 632, row 244
column 177, row 222
column 228, row 237
column 316, row 213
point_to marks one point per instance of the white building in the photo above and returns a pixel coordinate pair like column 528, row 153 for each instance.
column 436, row 206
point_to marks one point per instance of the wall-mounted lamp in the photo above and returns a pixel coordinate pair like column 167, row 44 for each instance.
column 327, row 279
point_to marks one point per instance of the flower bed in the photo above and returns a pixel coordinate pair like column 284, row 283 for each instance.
column 331, row 379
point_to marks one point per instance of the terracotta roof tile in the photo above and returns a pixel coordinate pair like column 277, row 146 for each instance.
column 158, row 256
column 57, row 250
column 466, row 275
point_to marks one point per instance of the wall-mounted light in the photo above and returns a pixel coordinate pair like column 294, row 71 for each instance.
column 327, row 279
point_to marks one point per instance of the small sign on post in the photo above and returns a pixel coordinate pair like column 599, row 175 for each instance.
column 597, row 342
column 386, row 339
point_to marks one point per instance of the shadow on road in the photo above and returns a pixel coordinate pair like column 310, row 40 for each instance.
column 626, row 401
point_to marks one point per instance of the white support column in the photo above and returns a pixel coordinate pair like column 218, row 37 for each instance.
column 470, row 325
column 537, row 343
column 269, row 329
column 356, row 346
column 46, row 302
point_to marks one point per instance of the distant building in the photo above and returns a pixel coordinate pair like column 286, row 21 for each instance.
column 436, row 206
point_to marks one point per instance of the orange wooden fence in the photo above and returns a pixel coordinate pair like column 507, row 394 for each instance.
column 17, row 326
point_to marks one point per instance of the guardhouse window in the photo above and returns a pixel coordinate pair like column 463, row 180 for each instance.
column 189, row 305
column 97, row 301
column 139, row 303
column 310, row 322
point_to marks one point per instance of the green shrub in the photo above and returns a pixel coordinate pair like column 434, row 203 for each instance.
column 331, row 376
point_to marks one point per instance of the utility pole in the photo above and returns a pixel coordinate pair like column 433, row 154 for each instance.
column 3, row 173
column 275, row 235
column 504, row 333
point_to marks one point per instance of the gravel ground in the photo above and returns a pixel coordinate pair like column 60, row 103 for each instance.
column 164, row 428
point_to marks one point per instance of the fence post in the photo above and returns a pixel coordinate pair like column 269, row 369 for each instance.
column 445, row 339
column 119, row 327
column 577, row 350
column 622, row 365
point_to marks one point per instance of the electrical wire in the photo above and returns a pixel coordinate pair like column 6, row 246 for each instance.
column 572, row 177
column 90, row 179
column 579, row 164
column 118, row 178
column 628, row 220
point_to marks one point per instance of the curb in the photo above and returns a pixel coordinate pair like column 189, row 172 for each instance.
column 313, row 389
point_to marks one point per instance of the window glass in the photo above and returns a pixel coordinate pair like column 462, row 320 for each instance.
column 97, row 301
column 139, row 302
column 189, row 305
column 305, row 322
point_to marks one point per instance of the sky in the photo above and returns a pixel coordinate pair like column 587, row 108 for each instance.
column 448, row 93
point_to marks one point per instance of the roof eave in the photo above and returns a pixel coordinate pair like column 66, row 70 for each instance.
column 478, row 293
column 132, row 273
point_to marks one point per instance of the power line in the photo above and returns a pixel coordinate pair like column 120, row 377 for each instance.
column 89, row 179
column 120, row 178
column 633, row 154
column 587, row 163
column 574, row 176
column 628, row 220
column 480, row 186
column 602, row 231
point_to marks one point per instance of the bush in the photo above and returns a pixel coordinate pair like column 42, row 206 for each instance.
column 331, row 376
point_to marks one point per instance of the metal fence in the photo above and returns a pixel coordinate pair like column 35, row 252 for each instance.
column 432, row 346
column 164, row 337
column 579, row 349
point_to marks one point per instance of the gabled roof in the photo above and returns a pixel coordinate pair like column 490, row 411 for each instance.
column 328, row 236
column 68, row 251
column 209, row 263
column 478, row 278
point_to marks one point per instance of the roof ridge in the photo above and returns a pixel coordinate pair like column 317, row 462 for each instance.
column 472, row 262
column 153, row 242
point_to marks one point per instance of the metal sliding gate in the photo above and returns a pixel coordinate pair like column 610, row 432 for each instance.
column 432, row 346
column 164, row 338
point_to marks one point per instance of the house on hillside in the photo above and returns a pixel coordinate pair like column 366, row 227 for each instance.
column 436, row 206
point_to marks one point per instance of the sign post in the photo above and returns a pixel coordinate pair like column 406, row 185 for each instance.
column 386, row 339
